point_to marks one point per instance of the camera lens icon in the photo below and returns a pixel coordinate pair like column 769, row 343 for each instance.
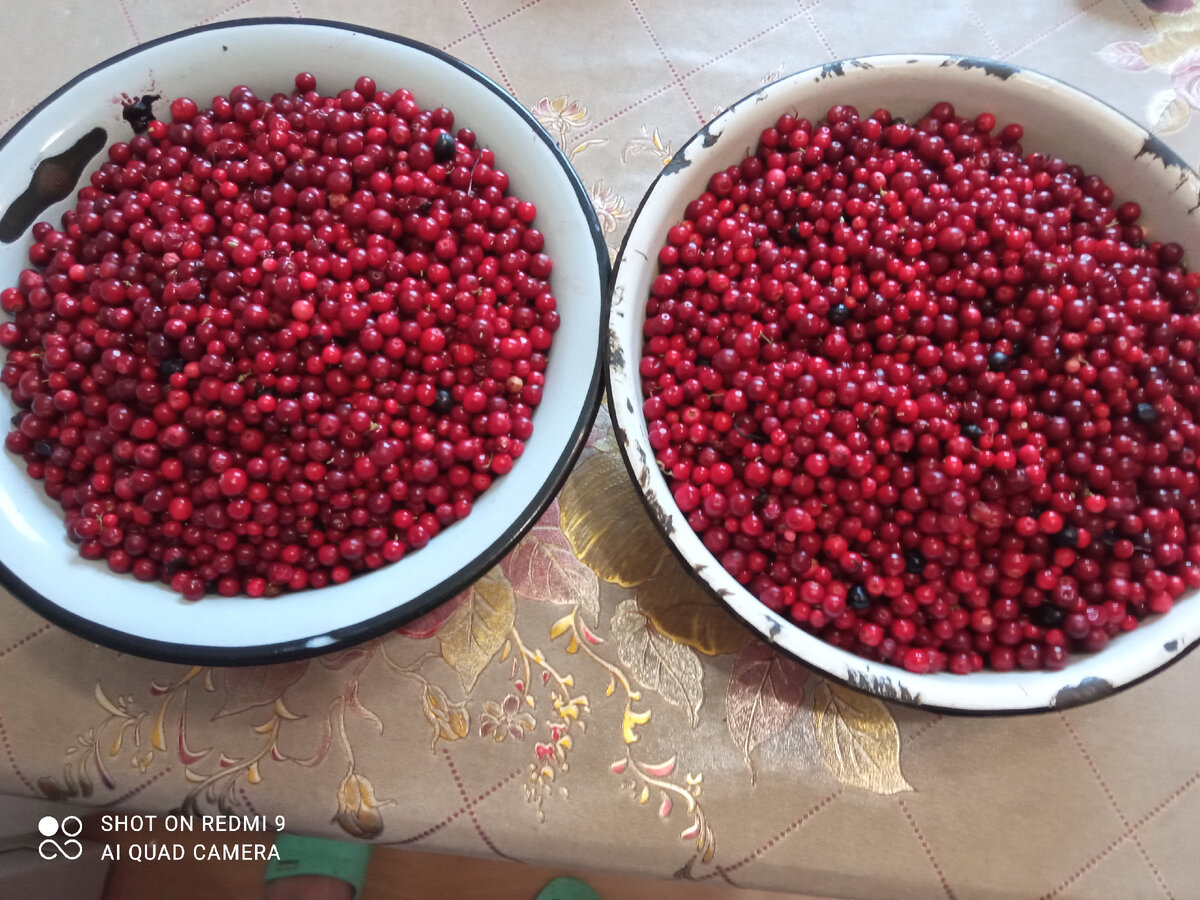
column 66, row 846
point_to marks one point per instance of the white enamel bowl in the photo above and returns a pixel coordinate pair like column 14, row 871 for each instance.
column 1059, row 120
column 40, row 565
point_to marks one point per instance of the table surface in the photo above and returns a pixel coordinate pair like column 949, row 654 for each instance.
column 607, row 713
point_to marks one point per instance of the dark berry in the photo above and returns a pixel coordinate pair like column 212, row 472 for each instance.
column 858, row 599
column 1049, row 615
column 1068, row 536
column 444, row 147
column 171, row 366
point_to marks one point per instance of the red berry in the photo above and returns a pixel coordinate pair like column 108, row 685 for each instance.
column 941, row 391
column 248, row 365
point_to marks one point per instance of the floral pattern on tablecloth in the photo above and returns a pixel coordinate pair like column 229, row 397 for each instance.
column 1173, row 50
column 599, row 674
column 586, row 703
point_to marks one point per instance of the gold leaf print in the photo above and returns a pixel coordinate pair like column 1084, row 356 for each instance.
column 1169, row 112
column 358, row 809
column 428, row 625
column 764, row 694
column 543, row 567
column 562, row 115
column 158, row 734
column 606, row 524
column 657, row 777
column 450, row 720
column 609, row 529
column 560, row 112
column 630, row 721
column 1179, row 33
column 248, row 688
column 107, row 705
column 651, row 143
column 562, row 626
column 859, row 740
column 583, row 145
column 610, row 207
column 681, row 609
column 477, row 630
column 657, row 662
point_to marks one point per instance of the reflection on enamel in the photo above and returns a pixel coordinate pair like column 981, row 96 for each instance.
column 10, row 512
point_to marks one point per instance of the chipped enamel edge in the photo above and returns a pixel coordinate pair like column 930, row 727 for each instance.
column 986, row 83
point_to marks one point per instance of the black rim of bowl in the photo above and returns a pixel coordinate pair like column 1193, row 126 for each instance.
column 340, row 638
column 1067, row 699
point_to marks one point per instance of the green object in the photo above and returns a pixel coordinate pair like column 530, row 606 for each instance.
column 567, row 889
column 300, row 855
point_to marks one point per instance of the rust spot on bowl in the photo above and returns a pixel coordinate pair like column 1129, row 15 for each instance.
column 1086, row 691
column 881, row 686
column 833, row 69
column 664, row 519
column 53, row 180
column 616, row 356
column 1000, row 70
column 1154, row 146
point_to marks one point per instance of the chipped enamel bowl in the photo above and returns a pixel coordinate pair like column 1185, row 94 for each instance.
column 1058, row 119
column 40, row 566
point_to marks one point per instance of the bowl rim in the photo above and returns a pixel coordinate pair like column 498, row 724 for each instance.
column 894, row 685
column 453, row 583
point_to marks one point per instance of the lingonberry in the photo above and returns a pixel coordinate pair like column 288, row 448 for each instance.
column 279, row 342
column 938, row 390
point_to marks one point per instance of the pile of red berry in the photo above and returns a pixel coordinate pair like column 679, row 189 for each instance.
column 279, row 342
column 931, row 397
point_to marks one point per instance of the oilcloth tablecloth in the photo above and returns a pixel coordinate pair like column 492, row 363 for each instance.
column 585, row 703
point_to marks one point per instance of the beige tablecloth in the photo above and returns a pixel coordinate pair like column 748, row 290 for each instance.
column 610, row 715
